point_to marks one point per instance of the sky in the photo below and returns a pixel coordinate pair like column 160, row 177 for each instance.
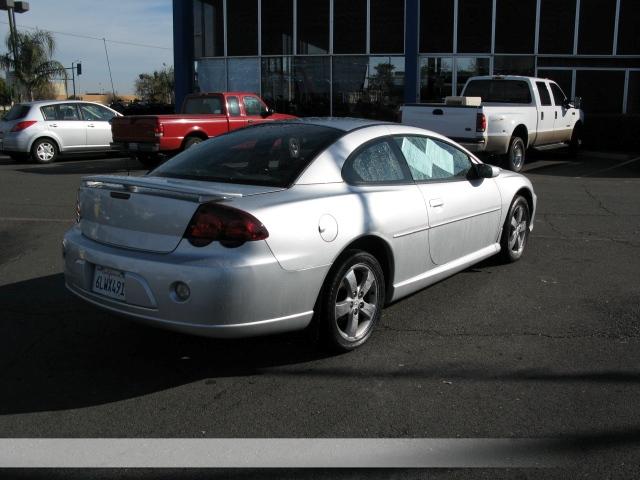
column 147, row 22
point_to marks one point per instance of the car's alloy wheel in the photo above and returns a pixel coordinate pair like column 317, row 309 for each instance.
column 516, row 230
column 516, row 154
column 353, row 300
column 44, row 151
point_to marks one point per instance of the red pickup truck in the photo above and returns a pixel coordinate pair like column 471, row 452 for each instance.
column 204, row 115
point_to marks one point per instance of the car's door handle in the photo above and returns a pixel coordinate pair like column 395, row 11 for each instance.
column 541, row 115
column 91, row 125
column 250, row 121
column 436, row 202
column 556, row 115
column 53, row 125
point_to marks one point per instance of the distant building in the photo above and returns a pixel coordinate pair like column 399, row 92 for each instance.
column 365, row 57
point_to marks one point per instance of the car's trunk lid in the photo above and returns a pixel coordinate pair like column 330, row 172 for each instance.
column 148, row 213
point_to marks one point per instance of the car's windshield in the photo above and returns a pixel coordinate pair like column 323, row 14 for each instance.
column 499, row 91
column 272, row 154
column 17, row 112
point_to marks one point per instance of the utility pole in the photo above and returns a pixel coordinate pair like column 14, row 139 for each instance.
column 75, row 67
column 113, row 90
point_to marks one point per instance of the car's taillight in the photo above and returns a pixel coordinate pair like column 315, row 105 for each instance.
column 215, row 222
column 18, row 127
column 159, row 129
column 481, row 122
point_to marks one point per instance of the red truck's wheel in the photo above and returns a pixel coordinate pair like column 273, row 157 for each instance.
column 191, row 141
column 148, row 160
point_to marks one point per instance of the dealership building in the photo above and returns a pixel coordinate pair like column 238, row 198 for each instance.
column 367, row 57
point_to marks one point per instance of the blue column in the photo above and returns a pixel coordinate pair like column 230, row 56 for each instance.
column 411, row 51
column 182, row 48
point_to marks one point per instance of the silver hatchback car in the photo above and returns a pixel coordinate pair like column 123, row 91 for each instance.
column 266, row 228
column 44, row 129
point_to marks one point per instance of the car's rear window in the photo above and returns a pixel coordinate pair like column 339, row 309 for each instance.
column 499, row 91
column 211, row 105
column 17, row 112
column 272, row 154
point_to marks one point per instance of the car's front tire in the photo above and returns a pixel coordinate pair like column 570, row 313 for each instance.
column 352, row 300
column 44, row 150
column 515, row 232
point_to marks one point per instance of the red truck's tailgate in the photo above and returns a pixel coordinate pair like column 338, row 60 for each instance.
column 137, row 128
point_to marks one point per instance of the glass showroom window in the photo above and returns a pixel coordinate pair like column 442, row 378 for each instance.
column 633, row 95
column 436, row 78
column 628, row 38
column 601, row 91
column 211, row 75
column 514, row 65
column 349, row 26
column 564, row 78
column 313, row 27
column 387, row 26
column 557, row 24
column 436, row 26
column 311, row 85
column 242, row 27
column 597, row 21
column 243, row 75
column 369, row 87
column 515, row 26
column 277, row 84
column 467, row 67
column 277, row 27
column 474, row 26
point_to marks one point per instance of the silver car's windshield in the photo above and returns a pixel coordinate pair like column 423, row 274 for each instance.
column 272, row 154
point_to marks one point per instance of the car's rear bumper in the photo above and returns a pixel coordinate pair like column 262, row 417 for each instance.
column 136, row 147
column 235, row 292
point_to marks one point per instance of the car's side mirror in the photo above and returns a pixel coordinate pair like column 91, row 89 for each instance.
column 575, row 103
column 486, row 171
column 266, row 111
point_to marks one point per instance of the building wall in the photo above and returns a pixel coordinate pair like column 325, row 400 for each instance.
column 366, row 57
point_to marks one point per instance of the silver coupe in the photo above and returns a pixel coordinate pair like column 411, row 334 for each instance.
column 270, row 228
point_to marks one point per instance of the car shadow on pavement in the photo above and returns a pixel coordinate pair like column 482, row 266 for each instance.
column 58, row 353
column 87, row 167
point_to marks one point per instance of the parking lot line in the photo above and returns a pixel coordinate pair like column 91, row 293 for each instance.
column 610, row 168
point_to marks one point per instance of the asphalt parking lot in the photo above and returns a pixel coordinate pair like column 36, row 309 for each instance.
column 547, row 347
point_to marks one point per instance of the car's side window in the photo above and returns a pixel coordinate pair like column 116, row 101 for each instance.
column 49, row 112
column 558, row 94
column 252, row 106
column 433, row 160
column 67, row 111
column 94, row 113
column 545, row 98
column 375, row 163
column 234, row 106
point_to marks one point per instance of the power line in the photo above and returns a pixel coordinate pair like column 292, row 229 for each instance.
column 77, row 35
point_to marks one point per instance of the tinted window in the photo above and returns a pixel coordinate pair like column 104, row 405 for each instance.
column 242, row 27
column 95, row 113
column 557, row 22
column 558, row 95
column 595, row 35
column 436, row 76
column 199, row 105
column 213, row 28
column 277, row 27
column 375, row 163
column 49, row 112
column 474, row 26
column 633, row 95
column 243, row 75
column 17, row 112
column 499, row 91
column 545, row 98
column 628, row 38
column 515, row 26
column 601, row 91
column 430, row 159
column 514, row 65
column 313, row 27
column 467, row 67
column 387, row 26
column 267, row 154
column 67, row 111
column 349, row 26
column 252, row 106
column 436, row 26
column 564, row 78
column 234, row 106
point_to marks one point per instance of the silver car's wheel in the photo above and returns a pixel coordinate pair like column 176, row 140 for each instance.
column 516, row 230
column 353, row 301
column 44, row 151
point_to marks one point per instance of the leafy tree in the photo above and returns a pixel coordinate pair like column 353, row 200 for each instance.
column 34, row 66
column 5, row 93
column 157, row 86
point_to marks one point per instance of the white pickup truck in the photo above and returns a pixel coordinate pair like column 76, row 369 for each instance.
column 504, row 115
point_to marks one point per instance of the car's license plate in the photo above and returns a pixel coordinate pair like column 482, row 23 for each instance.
column 133, row 146
column 109, row 283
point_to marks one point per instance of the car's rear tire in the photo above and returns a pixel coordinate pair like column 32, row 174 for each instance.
column 44, row 150
column 515, row 156
column 191, row 141
column 515, row 232
column 148, row 160
column 351, row 301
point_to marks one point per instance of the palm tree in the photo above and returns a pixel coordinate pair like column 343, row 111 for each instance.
column 34, row 67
